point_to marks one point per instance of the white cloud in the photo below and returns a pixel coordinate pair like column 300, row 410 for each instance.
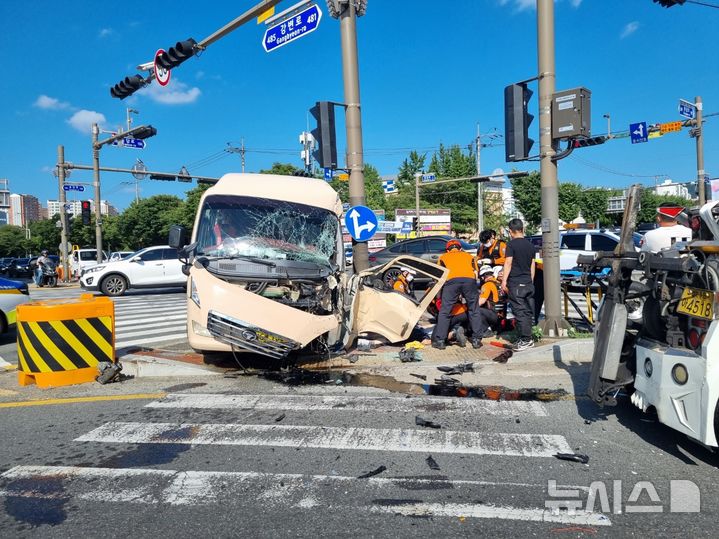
column 575, row 3
column 50, row 103
column 105, row 32
column 83, row 119
column 629, row 29
column 175, row 93
column 200, row 75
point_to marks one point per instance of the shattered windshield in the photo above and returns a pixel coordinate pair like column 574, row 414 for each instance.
column 265, row 228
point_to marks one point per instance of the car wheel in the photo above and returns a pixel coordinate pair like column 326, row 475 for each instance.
column 390, row 276
column 113, row 285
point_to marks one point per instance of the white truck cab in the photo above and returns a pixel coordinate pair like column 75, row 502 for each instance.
column 81, row 259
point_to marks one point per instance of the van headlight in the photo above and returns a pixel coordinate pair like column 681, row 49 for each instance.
column 194, row 296
column 199, row 329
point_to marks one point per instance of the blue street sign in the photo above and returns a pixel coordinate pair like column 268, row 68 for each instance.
column 329, row 173
column 428, row 178
column 129, row 142
column 73, row 187
column 687, row 109
column 345, row 206
column 361, row 223
column 638, row 132
column 295, row 27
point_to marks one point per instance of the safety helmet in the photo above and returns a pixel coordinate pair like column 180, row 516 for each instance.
column 484, row 270
column 453, row 244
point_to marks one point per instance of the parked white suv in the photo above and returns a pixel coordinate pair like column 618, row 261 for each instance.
column 153, row 267
column 573, row 243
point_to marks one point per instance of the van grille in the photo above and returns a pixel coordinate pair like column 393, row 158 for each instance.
column 243, row 335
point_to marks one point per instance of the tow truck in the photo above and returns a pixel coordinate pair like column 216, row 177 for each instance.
column 658, row 332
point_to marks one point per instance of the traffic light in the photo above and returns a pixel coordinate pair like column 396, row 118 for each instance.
column 177, row 54
column 163, row 177
column 144, row 132
column 516, row 122
column 592, row 141
column 86, row 210
column 127, row 86
column 669, row 3
column 324, row 134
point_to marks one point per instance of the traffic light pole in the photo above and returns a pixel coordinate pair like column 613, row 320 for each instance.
column 480, row 199
column 96, row 184
column 553, row 323
column 353, row 123
column 701, row 184
column 63, row 213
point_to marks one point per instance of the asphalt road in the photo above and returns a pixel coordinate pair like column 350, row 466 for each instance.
column 252, row 458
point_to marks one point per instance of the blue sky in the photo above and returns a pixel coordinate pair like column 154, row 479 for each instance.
column 429, row 71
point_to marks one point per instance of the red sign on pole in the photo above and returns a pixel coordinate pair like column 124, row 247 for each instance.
column 161, row 74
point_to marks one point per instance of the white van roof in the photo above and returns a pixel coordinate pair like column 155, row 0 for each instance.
column 309, row 191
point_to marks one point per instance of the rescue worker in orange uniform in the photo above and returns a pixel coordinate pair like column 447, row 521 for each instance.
column 404, row 281
column 461, row 281
column 488, row 298
column 491, row 250
column 458, row 320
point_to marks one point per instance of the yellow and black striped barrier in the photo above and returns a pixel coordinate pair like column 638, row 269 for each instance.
column 60, row 342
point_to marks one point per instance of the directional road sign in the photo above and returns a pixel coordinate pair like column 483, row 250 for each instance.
column 426, row 178
column 73, row 187
column 361, row 223
column 638, row 132
column 328, row 174
column 162, row 75
column 687, row 109
column 295, row 27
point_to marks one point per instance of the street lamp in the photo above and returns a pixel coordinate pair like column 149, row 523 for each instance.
column 139, row 132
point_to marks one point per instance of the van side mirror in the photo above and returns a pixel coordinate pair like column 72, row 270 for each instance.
column 177, row 237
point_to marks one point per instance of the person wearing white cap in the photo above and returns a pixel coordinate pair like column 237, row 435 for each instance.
column 669, row 231
column 404, row 280
column 488, row 298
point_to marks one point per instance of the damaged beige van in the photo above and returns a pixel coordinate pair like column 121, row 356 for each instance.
column 266, row 268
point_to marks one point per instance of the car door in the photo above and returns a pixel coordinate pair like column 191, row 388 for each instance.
column 571, row 246
column 147, row 269
column 173, row 267
column 435, row 248
column 376, row 308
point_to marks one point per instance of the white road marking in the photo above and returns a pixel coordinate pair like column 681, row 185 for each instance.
column 350, row 403
column 192, row 488
column 137, row 342
column 350, row 438
column 149, row 322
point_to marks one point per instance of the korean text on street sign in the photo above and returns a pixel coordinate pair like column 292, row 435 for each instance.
column 391, row 227
column 361, row 223
column 670, row 127
column 638, row 132
column 687, row 109
column 161, row 74
column 295, row 27
column 129, row 142
column 73, row 187
column 428, row 178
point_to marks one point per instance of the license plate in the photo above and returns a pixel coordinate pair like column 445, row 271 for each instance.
column 697, row 303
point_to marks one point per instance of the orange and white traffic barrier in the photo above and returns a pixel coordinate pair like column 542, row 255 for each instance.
column 60, row 342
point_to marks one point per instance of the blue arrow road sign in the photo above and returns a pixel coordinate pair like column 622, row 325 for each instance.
column 329, row 173
column 361, row 223
column 638, row 132
column 687, row 109
column 295, row 27
column 72, row 187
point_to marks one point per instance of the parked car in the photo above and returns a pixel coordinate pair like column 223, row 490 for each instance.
column 573, row 243
column 349, row 259
column 19, row 267
column 12, row 294
column 82, row 259
column 5, row 264
column 120, row 255
column 153, row 267
column 427, row 247
column 643, row 228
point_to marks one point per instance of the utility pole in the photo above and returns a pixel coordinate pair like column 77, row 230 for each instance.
column 416, row 201
column 480, row 199
column 63, row 212
column 240, row 150
column 96, row 184
column 700, row 151
column 353, row 120
column 553, row 324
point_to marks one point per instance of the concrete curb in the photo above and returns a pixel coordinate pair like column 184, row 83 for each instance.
column 149, row 366
column 576, row 350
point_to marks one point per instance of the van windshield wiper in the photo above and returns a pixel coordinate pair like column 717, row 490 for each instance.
column 249, row 258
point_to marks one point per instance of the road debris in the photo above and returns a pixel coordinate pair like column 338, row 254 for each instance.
column 499, row 344
column 420, row 376
column 575, row 457
column 408, row 355
column 424, row 423
column 503, row 357
column 445, row 380
column 353, row 358
column 109, row 372
column 432, row 463
column 457, row 369
column 279, row 418
column 374, row 472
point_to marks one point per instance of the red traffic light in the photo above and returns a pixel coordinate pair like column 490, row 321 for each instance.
column 85, row 204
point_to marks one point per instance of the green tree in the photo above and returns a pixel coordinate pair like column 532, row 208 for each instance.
column 594, row 203
column 45, row 234
column 185, row 213
column 374, row 194
column 412, row 165
column 527, row 192
column 284, row 169
column 147, row 222
column 570, row 201
column 12, row 241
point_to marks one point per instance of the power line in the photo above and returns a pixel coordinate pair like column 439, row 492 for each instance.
column 707, row 4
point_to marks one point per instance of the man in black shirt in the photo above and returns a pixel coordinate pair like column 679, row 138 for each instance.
column 517, row 282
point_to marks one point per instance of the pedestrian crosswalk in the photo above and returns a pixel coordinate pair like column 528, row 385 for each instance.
column 321, row 423
column 145, row 320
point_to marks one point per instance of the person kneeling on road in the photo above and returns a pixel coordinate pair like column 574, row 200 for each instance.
column 488, row 298
column 461, row 281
